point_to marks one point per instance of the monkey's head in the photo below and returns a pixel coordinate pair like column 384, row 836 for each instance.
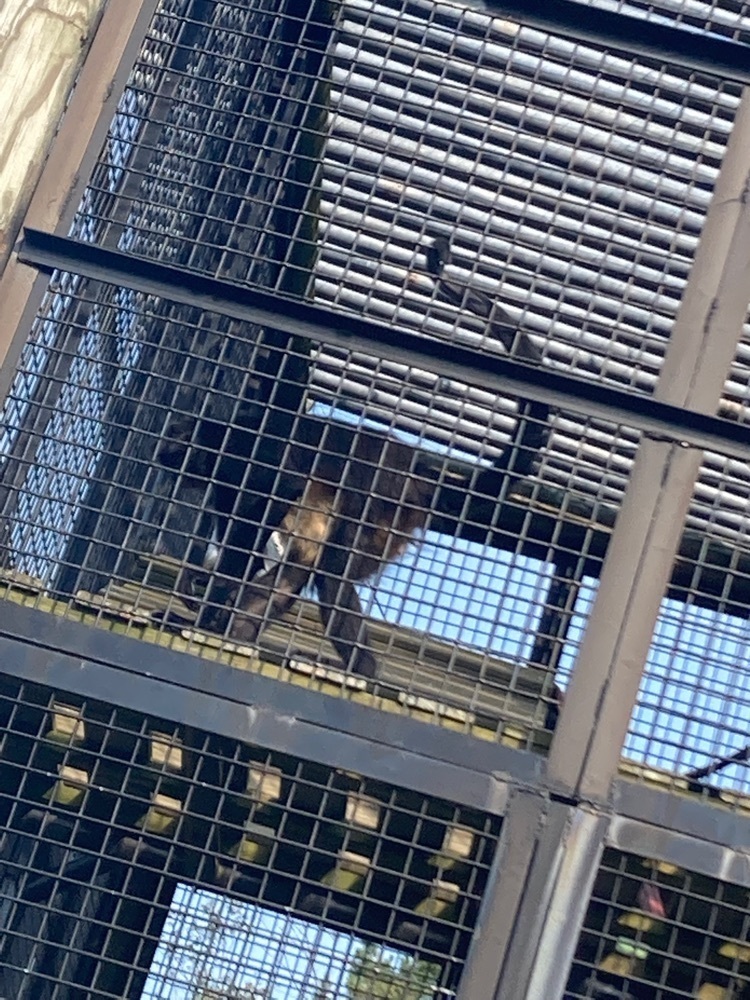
column 204, row 450
column 191, row 447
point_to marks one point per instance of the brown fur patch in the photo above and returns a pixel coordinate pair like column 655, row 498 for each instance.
column 308, row 524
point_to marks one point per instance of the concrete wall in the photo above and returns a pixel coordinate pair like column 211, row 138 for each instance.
column 42, row 46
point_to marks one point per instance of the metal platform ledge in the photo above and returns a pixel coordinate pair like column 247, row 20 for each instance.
column 421, row 677
column 259, row 698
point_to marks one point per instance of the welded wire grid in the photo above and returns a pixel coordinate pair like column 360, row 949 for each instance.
column 657, row 931
column 322, row 150
column 571, row 183
column 476, row 609
column 691, row 715
column 139, row 828
column 233, row 951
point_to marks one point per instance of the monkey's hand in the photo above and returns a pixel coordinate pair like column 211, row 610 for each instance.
column 244, row 630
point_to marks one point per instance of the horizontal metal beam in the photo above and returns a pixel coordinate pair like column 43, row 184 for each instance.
column 693, row 854
column 655, row 418
column 694, row 49
column 41, row 648
column 692, row 814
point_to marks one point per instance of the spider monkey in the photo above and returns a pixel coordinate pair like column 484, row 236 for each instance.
column 345, row 501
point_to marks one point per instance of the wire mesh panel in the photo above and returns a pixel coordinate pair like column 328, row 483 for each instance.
column 657, row 931
column 285, row 495
column 222, row 950
column 124, row 833
column 417, row 164
column 692, row 710
column 211, row 159
column 187, row 531
column 576, row 177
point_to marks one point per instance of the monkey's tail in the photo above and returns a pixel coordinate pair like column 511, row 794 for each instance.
column 533, row 430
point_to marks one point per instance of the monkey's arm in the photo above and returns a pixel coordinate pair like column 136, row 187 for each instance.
column 343, row 618
column 340, row 607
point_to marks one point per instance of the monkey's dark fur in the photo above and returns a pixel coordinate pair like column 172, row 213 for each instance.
column 344, row 501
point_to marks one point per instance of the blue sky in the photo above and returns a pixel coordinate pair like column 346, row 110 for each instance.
column 289, row 957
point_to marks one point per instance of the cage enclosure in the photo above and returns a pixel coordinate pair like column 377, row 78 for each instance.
column 324, row 427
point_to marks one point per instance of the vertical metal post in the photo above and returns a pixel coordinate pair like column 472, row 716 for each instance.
column 587, row 744
column 529, row 925
column 74, row 150
column 522, row 823
column 557, row 895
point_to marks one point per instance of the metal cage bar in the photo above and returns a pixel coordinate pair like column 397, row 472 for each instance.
column 550, row 843
column 645, row 539
column 73, row 151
